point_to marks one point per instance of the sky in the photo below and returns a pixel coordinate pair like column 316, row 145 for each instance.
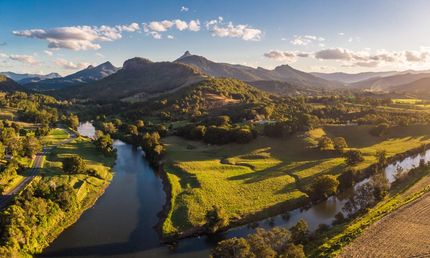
column 314, row 36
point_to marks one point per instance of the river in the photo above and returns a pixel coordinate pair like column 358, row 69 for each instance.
column 121, row 223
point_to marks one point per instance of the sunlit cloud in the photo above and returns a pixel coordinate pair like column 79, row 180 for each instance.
column 243, row 31
column 66, row 64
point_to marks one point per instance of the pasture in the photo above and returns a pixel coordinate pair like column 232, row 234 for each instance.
column 268, row 172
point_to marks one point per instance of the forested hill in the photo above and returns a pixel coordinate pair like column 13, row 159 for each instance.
column 8, row 85
column 139, row 78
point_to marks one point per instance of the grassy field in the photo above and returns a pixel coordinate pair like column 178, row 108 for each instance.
column 244, row 179
column 55, row 136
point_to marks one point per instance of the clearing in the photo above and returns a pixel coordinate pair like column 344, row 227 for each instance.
column 265, row 174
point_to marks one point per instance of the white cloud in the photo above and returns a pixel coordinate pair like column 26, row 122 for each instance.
column 341, row 34
column 49, row 53
column 287, row 56
column 194, row 25
column 26, row 59
column 65, row 64
column 184, row 9
column 242, row 31
column 78, row 37
column 155, row 28
column 306, row 40
column 99, row 54
column 170, row 37
column 380, row 57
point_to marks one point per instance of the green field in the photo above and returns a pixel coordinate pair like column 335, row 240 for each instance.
column 244, row 179
column 86, row 187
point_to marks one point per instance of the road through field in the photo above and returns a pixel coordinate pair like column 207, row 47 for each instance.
column 37, row 164
column 403, row 233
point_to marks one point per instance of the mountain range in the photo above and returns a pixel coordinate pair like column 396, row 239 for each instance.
column 9, row 85
column 89, row 74
column 138, row 79
column 283, row 73
column 23, row 78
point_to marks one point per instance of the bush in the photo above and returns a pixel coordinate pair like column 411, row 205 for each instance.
column 323, row 187
column 380, row 130
column 300, row 232
column 353, row 157
column 216, row 219
column 73, row 165
column 340, row 144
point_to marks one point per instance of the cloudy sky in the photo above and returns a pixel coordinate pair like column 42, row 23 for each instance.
column 330, row 35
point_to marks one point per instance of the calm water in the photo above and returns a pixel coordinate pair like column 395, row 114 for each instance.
column 121, row 224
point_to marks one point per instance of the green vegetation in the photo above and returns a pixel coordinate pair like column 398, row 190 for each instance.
column 267, row 174
column 55, row 199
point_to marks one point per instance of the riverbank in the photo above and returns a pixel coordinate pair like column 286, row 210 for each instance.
column 403, row 194
column 177, row 178
column 55, row 200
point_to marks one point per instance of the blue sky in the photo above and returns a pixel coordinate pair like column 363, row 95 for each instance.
column 331, row 35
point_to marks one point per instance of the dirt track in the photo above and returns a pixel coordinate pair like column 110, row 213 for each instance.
column 404, row 233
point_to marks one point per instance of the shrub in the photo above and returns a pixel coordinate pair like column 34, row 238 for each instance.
column 353, row 157
column 73, row 165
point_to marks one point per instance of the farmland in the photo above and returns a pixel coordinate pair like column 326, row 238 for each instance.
column 246, row 179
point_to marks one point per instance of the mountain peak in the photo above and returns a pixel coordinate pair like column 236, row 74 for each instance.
column 136, row 63
column 90, row 67
column 186, row 54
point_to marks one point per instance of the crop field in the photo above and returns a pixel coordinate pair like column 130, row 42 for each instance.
column 403, row 233
column 244, row 179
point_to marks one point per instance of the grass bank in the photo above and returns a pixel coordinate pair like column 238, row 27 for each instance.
column 263, row 177
column 46, row 218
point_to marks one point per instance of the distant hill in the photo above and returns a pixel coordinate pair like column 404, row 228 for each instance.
column 86, row 75
column 138, row 79
column 9, row 85
column 388, row 83
column 23, row 78
column 351, row 77
column 419, row 88
column 282, row 88
column 245, row 73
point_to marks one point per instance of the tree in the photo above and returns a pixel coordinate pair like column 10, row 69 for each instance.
column 346, row 179
column 198, row 132
column 133, row 130
column 74, row 165
column 353, row 157
column 325, row 143
column 233, row 248
column 293, row 251
column 140, row 124
column 382, row 158
column 31, row 146
column 221, row 120
column 340, row 144
column 73, row 121
column 243, row 135
column 324, row 186
column 380, row 130
column 300, row 232
column 216, row 219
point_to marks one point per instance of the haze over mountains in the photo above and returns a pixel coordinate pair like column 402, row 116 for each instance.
column 141, row 78
column 27, row 77
column 87, row 75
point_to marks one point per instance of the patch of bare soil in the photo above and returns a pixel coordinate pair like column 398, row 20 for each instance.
column 403, row 233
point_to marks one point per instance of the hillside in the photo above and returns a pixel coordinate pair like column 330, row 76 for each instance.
column 138, row 79
column 282, row 88
column 23, row 78
column 86, row 75
column 390, row 82
column 351, row 77
column 420, row 87
column 245, row 73
column 9, row 85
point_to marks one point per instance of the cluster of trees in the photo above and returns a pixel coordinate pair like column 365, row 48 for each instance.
column 338, row 144
column 217, row 130
column 104, row 143
column 153, row 148
column 276, row 242
column 24, row 222
column 297, row 123
column 322, row 187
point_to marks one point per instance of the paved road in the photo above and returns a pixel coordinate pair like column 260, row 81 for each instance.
column 37, row 164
